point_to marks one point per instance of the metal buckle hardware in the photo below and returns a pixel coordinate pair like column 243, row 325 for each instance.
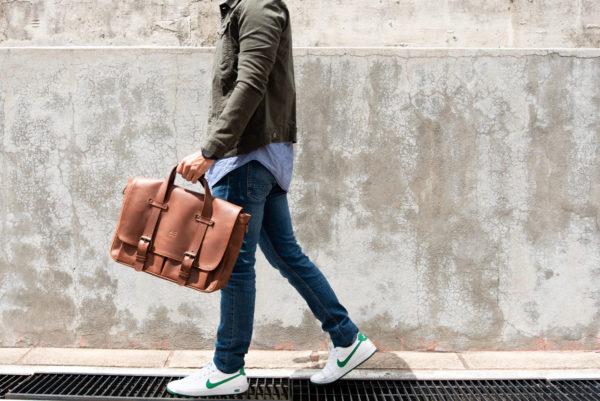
column 189, row 254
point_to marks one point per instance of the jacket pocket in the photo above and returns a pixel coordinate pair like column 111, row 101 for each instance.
column 227, row 57
column 226, row 49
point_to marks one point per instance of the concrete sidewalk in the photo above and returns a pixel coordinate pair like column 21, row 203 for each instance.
column 301, row 363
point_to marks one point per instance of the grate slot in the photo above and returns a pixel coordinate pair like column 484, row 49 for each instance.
column 577, row 389
column 397, row 389
column 117, row 386
column 104, row 386
column 33, row 385
column 8, row 382
column 88, row 385
column 82, row 383
column 390, row 393
column 152, row 387
column 47, row 382
column 444, row 391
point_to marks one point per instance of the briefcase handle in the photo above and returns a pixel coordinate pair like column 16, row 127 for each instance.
column 147, row 237
column 208, row 197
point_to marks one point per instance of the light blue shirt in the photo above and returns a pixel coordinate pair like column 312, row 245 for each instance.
column 278, row 157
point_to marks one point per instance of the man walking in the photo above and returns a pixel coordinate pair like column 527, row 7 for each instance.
column 247, row 159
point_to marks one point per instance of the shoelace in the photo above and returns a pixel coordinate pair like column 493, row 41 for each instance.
column 205, row 371
column 211, row 367
column 331, row 360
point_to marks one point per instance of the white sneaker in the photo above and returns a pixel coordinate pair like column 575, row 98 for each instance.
column 209, row 381
column 342, row 360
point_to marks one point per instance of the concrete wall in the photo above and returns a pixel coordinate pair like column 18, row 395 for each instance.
column 438, row 23
column 452, row 197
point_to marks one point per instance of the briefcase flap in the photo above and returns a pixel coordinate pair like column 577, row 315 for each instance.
column 178, row 222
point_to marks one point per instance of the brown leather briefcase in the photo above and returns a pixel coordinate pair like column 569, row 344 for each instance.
column 179, row 235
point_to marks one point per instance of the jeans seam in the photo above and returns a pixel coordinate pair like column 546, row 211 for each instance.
column 232, row 306
column 248, row 180
column 280, row 259
column 229, row 345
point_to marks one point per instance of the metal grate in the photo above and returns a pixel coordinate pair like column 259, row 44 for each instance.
column 429, row 390
column 61, row 386
column 450, row 390
column 8, row 382
column 55, row 386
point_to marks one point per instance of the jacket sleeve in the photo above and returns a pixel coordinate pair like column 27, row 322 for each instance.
column 261, row 23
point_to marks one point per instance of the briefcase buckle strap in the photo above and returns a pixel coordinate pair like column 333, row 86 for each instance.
column 186, row 267
column 204, row 220
column 184, row 275
column 154, row 203
column 141, row 252
column 142, row 248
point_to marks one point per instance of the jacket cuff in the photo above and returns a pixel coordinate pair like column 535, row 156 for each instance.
column 208, row 154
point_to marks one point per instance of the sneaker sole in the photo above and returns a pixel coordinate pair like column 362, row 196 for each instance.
column 357, row 365
column 205, row 395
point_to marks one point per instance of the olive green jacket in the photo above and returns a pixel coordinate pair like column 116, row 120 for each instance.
column 253, row 96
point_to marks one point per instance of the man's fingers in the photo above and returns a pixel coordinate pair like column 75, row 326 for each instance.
column 196, row 175
column 181, row 167
column 186, row 170
column 193, row 175
column 193, row 167
column 198, row 172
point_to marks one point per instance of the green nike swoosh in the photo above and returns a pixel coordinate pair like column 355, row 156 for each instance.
column 343, row 363
column 213, row 385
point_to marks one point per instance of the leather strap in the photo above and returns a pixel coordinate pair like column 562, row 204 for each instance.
column 158, row 205
column 190, row 257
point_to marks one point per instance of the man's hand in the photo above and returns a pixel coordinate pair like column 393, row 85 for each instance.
column 193, row 166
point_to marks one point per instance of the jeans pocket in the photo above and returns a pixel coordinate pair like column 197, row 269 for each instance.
column 259, row 181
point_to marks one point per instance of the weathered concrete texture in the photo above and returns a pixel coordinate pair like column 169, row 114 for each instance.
column 462, row 23
column 95, row 357
column 451, row 196
column 386, row 362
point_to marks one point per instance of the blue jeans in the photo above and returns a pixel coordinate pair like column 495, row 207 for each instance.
column 253, row 187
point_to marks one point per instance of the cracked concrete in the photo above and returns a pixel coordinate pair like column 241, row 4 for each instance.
column 450, row 195
column 447, row 23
